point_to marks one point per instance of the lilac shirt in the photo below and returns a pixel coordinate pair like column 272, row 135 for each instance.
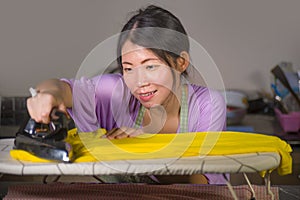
column 105, row 101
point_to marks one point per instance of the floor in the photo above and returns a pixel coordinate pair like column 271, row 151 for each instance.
column 286, row 192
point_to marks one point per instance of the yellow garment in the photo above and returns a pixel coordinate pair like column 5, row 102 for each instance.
column 90, row 147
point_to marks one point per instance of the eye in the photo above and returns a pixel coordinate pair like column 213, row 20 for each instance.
column 127, row 69
column 151, row 67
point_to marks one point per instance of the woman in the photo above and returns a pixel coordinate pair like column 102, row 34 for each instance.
column 150, row 96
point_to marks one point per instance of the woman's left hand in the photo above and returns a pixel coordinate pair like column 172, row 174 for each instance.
column 123, row 132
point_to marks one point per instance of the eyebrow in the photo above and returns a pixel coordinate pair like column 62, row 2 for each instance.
column 144, row 61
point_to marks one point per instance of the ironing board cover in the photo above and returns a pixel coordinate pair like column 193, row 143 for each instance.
column 202, row 152
column 249, row 162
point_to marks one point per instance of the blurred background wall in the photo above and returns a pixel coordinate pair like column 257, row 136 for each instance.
column 41, row 39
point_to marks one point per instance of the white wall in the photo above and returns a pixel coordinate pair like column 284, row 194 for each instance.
column 42, row 39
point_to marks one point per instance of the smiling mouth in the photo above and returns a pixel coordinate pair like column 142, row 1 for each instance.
column 148, row 93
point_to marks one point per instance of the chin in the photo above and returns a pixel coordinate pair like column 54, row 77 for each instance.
column 149, row 105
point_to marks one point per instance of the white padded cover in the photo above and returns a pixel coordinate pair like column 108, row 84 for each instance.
column 250, row 162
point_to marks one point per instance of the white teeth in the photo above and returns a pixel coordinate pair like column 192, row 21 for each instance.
column 147, row 94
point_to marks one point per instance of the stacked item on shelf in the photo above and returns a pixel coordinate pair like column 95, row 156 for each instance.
column 286, row 89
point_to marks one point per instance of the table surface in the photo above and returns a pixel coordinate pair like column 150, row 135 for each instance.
column 270, row 126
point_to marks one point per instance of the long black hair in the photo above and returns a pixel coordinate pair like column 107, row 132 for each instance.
column 158, row 30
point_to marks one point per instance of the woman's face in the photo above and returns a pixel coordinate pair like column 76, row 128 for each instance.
column 149, row 79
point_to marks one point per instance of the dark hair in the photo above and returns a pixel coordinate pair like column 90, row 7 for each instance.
column 157, row 29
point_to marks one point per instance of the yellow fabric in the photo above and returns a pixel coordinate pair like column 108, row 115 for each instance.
column 90, row 147
column 26, row 156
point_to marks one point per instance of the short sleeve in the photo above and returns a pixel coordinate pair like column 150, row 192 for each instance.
column 84, row 105
column 207, row 110
column 102, row 102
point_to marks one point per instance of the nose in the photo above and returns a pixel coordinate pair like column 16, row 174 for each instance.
column 142, row 83
column 141, row 78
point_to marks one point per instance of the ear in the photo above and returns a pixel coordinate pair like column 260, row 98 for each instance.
column 183, row 61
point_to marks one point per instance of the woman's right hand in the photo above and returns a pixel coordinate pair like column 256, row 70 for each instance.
column 41, row 106
column 50, row 94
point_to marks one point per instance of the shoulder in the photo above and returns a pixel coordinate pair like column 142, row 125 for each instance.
column 100, row 85
column 207, row 109
column 106, row 79
column 109, row 84
column 204, row 95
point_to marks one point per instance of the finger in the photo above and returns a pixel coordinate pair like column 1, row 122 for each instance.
column 54, row 114
column 136, row 133
column 44, row 117
column 117, row 132
column 122, row 135
column 57, row 113
column 107, row 133
column 127, row 133
column 112, row 133
column 43, row 112
column 63, row 108
column 34, row 111
column 130, row 131
column 38, row 109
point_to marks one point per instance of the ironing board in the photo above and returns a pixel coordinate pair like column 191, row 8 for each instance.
column 239, row 163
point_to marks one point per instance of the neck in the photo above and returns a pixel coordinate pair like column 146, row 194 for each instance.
column 169, row 108
column 173, row 102
column 156, row 118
